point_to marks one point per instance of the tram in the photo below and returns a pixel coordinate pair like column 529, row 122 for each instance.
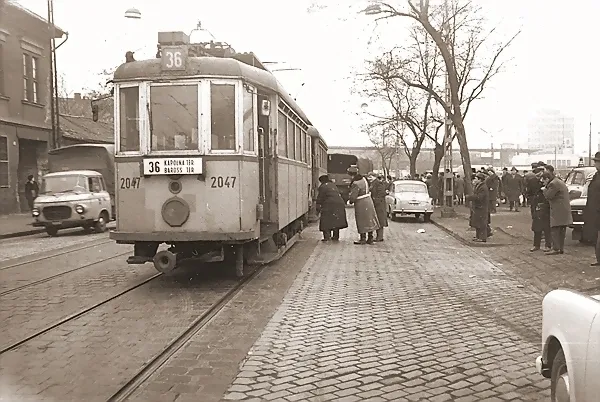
column 213, row 157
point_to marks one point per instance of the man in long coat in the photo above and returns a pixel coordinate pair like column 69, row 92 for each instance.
column 557, row 194
column 540, row 224
column 364, row 210
column 479, row 205
column 511, row 184
column 378, row 193
column 591, row 214
column 332, row 208
column 493, row 182
column 32, row 190
column 532, row 185
column 459, row 187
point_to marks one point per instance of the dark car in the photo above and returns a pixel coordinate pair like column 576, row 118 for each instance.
column 581, row 232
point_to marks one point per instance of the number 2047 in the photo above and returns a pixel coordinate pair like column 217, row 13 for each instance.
column 222, row 181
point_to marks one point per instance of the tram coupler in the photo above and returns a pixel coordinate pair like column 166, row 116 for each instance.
column 138, row 259
column 165, row 261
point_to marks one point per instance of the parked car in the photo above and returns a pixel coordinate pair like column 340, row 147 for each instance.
column 576, row 179
column 570, row 355
column 409, row 197
column 71, row 199
column 585, row 234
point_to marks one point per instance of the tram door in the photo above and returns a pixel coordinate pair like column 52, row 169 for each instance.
column 264, row 162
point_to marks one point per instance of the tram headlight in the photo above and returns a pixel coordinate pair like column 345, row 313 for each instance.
column 80, row 209
column 175, row 212
column 35, row 212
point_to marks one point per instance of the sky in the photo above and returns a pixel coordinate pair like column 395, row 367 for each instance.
column 552, row 63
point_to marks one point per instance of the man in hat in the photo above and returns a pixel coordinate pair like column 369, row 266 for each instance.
column 378, row 193
column 364, row 210
column 591, row 213
column 32, row 190
column 479, row 206
column 512, row 183
column 532, row 185
column 557, row 194
column 493, row 182
column 332, row 208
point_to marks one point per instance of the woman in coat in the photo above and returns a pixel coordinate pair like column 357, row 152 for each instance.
column 591, row 214
column 540, row 222
column 480, row 205
column 332, row 208
column 557, row 194
column 378, row 193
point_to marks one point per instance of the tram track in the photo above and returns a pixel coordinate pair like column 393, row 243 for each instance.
column 64, row 251
column 75, row 315
column 152, row 366
column 49, row 278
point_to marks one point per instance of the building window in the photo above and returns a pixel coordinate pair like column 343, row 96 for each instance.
column 30, row 78
column 174, row 117
column 281, row 134
column 222, row 126
column 3, row 162
column 249, row 121
column 129, row 124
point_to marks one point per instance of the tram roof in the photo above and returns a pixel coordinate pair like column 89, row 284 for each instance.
column 208, row 67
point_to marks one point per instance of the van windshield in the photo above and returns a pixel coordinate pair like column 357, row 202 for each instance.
column 64, row 184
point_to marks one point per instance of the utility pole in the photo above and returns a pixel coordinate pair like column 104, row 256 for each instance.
column 54, row 104
column 448, row 205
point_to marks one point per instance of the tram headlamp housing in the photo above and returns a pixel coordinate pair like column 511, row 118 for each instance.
column 80, row 209
column 175, row 212
column 35, row 212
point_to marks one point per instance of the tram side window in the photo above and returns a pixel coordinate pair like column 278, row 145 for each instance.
column 282, row 135
column 129, row 126
column 174, row 117
column 298, row 144
column 222, row 123
column 308, row 145
column 290, row 139
column 248, row 121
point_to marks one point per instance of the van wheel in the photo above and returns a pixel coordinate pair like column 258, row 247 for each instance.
column 559, row 379
column 100, row 226
column 52, row 231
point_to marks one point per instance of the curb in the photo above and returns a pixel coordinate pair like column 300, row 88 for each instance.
column 21, row 234
column 465, row 241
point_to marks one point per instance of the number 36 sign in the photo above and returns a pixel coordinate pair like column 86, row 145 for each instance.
column 173, row 57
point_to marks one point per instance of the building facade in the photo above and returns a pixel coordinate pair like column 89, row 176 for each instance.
column 24, row 101
column 549, row 129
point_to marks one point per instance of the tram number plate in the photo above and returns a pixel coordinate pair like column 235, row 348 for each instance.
column 172, row 166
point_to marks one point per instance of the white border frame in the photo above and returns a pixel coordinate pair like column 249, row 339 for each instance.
column 147, row 149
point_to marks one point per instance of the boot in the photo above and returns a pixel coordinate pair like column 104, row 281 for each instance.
column 326, row 235
column 336, row 235
column 379, row 237
column 370, row 238
column 363, row 239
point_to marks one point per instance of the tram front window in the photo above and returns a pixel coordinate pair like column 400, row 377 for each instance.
column 174, row 117
column 222, row 124
column 129, row 133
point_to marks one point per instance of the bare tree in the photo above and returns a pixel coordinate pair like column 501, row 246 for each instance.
column 457, row 29
column 102, row 91
column 65, row 106
column 385, row 142
column 411, row 109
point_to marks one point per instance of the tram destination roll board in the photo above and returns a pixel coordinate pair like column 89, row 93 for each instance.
column 172, row 166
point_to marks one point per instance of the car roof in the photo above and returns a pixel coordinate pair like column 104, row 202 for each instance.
column 74, row 173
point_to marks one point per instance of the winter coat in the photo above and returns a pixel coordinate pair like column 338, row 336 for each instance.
column 480, row 205
column 512, row 186
column 493, row 184
column 557, row 194
column 591, row 213
column 332, row 208
column 378, row 193
column 541, row 213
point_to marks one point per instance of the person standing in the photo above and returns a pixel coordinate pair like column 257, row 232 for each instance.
column 493, row 182
column 557, row 194
column 332, row 208
column 532, row 185
column 540, row 223
column 378, row 193
column 512, row 188
column 32, row 190
column 591, row 213
column 460, row 189
column 479, row 205
column 364, row 210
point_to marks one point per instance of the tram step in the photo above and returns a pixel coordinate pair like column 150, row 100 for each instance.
column 268, row 257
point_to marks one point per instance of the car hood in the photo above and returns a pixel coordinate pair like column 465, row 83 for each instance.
column 412, row 196
column 62, row 197
column 579, row 202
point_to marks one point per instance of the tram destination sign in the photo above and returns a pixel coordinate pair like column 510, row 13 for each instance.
column 172, row 166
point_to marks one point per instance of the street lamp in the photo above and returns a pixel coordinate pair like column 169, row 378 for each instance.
column 133, row 13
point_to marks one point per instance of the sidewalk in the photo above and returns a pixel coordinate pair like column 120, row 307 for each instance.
column 17, row 225
column 419, row 317
column 509, row 248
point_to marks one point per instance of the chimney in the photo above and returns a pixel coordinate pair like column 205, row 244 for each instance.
column 77, row 96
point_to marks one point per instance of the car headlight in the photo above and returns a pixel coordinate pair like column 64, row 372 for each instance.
column 80, row 209
column 35, row 212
